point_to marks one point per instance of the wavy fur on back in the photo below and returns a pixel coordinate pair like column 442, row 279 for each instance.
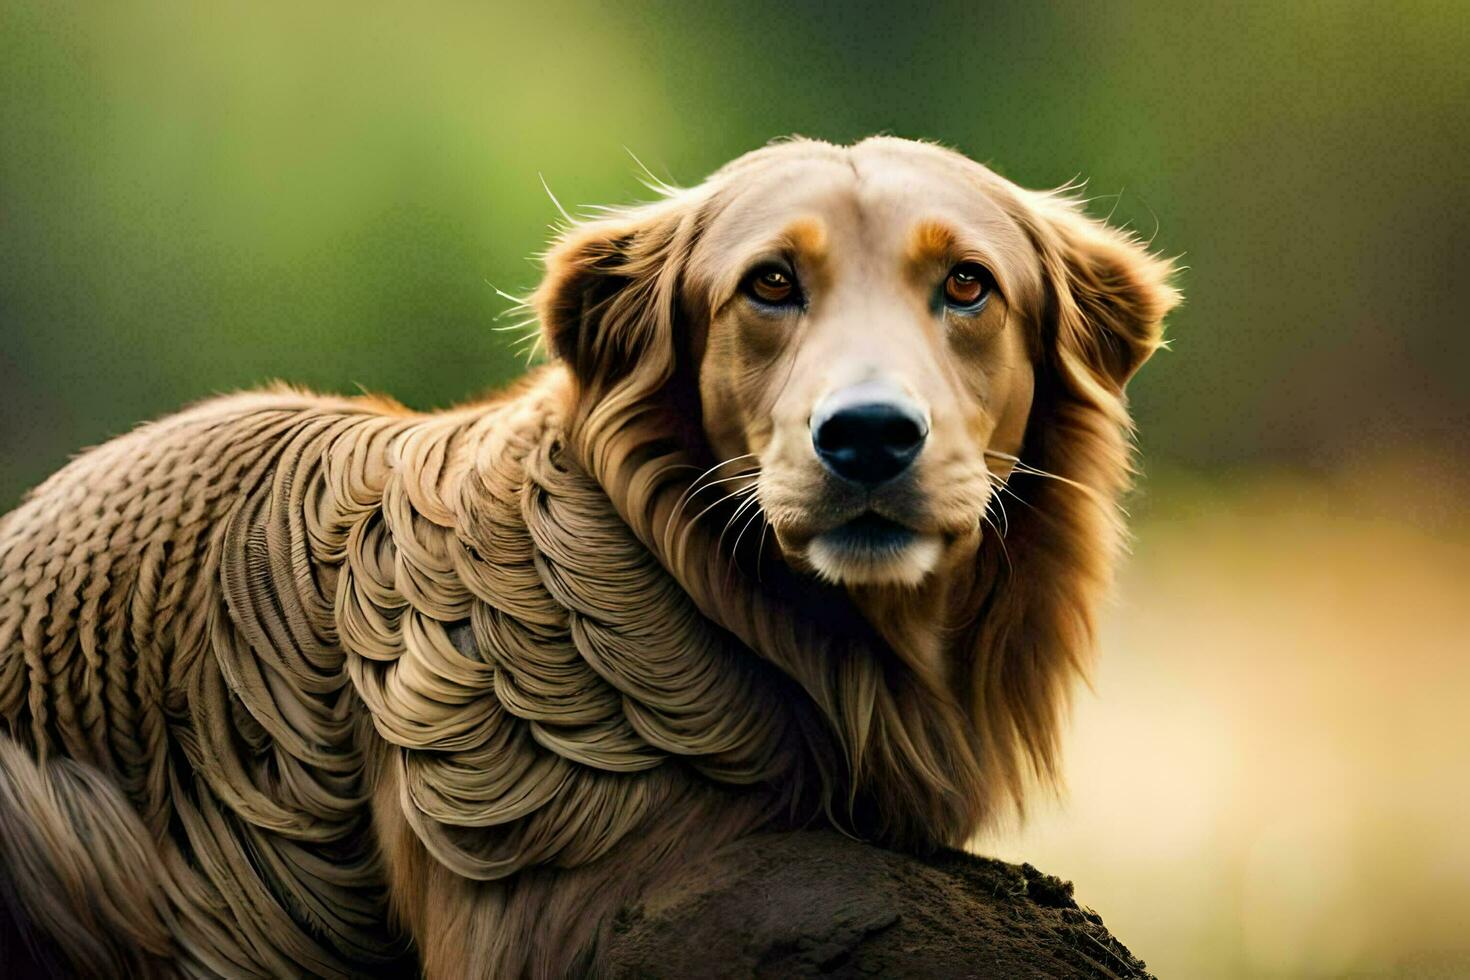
column 292, row 684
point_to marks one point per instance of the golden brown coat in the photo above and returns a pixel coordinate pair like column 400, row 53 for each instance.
column 280, row 670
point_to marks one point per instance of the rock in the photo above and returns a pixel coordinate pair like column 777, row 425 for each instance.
column 819, row 904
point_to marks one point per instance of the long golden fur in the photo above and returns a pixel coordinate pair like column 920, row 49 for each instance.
column 293, row 684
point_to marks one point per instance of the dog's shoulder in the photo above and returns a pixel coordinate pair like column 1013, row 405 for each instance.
column 103, row 557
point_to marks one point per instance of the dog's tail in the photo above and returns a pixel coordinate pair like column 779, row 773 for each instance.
column 81, row 886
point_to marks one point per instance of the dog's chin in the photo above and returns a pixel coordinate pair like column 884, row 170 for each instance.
column 872, row 550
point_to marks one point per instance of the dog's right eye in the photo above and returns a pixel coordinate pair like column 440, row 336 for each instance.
column 772, row 286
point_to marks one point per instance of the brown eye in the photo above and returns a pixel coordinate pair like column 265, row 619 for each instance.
column 772, row 286
column 967, row 285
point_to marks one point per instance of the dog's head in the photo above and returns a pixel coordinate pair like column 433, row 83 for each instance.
column 864, row 334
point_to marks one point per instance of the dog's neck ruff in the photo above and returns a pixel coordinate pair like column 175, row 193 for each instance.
column 552, row 652
column 548, row 661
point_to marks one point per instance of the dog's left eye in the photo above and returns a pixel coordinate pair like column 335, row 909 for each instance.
column 968, row 286
column 772, row 286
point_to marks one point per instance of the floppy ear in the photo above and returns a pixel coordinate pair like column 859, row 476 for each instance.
column 608, row 302
column 1108, row 295
column 1035, row 594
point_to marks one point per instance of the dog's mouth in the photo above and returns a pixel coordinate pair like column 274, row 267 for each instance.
column 873, row 549
column 872, row 534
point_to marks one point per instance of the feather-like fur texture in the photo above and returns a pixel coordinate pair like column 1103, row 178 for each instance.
column 254, row 615
column 299, row 685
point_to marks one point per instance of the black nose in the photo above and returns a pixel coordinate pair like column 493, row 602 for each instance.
column 869, row 442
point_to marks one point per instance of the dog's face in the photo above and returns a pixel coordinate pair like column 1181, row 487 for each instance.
column 867, row 328
column 870, row 337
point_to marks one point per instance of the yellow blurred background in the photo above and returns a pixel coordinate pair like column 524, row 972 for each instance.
column 1270, row 775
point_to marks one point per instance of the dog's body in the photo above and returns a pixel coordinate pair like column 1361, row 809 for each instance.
column 281, row 670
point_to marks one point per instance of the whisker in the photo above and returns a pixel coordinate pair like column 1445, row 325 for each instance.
column 1018, row 498
column 694, row 487
column 1006, row 552
column 733, row 494
column 689, row 527
column 1020, row 466
column 758, row 512
column 685, row 502
column 735, row 548
column 744, row 505
column 760, row 553
column 724, row 479
column 994, row 498
column 722, row 463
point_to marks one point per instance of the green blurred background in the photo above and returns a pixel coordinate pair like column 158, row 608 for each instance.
column 1270, row 777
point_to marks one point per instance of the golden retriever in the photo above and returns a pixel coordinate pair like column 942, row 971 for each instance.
column 303, row 685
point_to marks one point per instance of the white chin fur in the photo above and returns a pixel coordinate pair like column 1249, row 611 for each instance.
column 855, row 566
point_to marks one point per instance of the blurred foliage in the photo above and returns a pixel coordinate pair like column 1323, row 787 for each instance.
column 200, row 197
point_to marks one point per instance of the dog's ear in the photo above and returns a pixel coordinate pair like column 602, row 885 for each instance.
column 1108, row 295
column 1036, row 592
column 609, row 300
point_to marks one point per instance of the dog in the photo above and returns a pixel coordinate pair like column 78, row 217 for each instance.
column 293, row 684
